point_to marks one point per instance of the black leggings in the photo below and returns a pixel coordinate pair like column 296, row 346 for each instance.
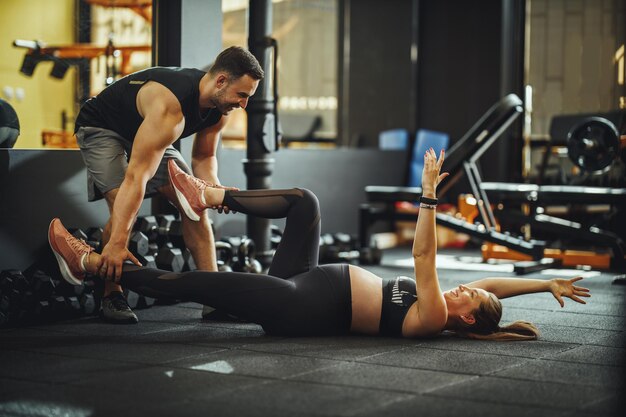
column 296, row 298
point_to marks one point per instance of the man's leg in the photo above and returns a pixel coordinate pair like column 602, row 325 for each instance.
column 198, row 236
column 105, row 155
column 114, row 307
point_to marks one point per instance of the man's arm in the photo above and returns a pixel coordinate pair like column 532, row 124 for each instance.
column 163, row 123
column 511, row 287
column 203, row 154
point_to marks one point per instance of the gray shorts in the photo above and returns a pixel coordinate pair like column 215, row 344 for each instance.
column 106, row 156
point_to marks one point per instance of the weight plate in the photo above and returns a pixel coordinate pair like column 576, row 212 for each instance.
column 593, row 144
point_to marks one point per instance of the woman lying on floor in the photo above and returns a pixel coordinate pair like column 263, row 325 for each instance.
column 297, row 297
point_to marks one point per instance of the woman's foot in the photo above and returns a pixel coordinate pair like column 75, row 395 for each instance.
column 71, row 253
column 194, row 195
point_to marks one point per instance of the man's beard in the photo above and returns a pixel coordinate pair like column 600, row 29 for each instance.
column 223, row 106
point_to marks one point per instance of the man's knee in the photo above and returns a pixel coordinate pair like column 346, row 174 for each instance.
column 110, row 197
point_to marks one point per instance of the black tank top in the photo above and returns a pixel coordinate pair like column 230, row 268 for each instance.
column 115, row 108
column 399, row 294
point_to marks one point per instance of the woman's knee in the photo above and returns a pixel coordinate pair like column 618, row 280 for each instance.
column 310, row 198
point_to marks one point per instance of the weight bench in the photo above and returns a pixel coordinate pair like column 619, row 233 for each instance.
column 537, row 197
column 460, row 159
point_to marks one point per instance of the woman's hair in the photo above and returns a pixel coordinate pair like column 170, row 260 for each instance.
column 237, row 62
column 486, row 326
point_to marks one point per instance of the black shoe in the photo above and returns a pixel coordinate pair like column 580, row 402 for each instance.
column 115, row 309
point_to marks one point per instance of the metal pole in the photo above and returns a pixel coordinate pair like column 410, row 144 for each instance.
column 261, row 140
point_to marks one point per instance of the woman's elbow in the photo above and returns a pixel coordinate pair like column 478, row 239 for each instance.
column 423, row 255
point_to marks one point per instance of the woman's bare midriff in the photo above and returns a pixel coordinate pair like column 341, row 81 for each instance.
column 367, row 300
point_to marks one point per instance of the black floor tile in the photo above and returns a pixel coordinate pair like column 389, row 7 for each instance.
column 251, row 363
column 446, row 360
column 566, row 372
column 388, row 378
column 600, row 355
column 293, row 398
column 432, row 406
column 522, row 393
column 174, row 364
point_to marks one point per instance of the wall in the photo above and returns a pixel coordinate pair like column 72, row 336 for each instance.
column 572, row 60
column 37, row 185
column 377, row 82
column 44, row 97
column 459, row 68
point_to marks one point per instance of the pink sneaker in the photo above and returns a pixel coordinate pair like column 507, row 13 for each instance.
column 69, row 252
column 189, row 191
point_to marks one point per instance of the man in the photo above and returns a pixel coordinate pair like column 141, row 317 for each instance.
column 125, row 135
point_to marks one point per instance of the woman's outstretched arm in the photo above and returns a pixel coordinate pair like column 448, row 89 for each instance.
column 511, row 287
column 431, row 306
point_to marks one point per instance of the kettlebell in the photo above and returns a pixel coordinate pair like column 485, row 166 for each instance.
column 245, row 258
column 224, row 251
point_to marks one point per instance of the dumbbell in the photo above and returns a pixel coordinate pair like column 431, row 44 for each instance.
column 78, row 233
column 148, row 261
column 147, row 225
column 190, row 263
column 87, row 304
column 171, row 232
column 42, row 284
column 335, row 254
column 14, row 278
column 370, row 256
column 276, row 235
column 170, row 259
column 245, row 258
column 94, row 237
column 163, row 228
column 343, row 241
column 326, row 241
column 138, row 243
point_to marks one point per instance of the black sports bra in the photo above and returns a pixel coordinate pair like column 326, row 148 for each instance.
column 399, row 294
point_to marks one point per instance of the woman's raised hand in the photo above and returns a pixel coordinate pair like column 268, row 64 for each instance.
column 430, row 175
column 566, row 288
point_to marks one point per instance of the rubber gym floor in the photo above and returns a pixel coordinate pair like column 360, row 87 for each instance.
column 174, row 364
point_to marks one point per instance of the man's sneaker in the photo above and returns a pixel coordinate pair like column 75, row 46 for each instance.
column 69, row 251
column 115, row 309
column 189, row 191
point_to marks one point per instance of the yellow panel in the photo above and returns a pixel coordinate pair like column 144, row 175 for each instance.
column 44, row 97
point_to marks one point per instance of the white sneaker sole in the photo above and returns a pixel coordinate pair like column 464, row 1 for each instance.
column 189, row 212
column 65, row 269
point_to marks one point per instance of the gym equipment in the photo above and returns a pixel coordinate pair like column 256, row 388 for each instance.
column 224, row 256
column 170, row 230
column 246, row 261
column 87, row 304
column 461, row 158
column 138, row 243
column 9, row 125
column 78, row 234
column 275, row 236
column 148, row 261
column 148, row 226
column 170, row 259
column 190, row 264
column 341, row 247
column 74, row 54
column 593, row 144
